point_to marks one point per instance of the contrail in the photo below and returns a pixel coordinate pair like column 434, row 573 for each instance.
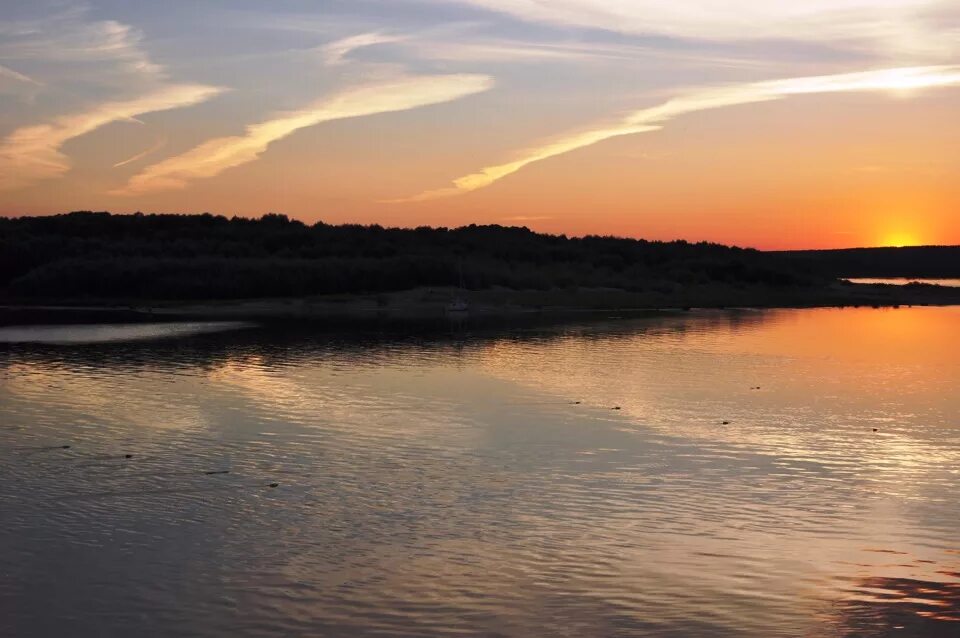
column 160, row 143
column 7, row 72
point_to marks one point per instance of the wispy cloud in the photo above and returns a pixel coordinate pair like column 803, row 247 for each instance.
column 520, row 51
column 67, row 37
column 32, row 153
column 491, row 174
column 102, row 58
column 336, row 52
column 526, row 218
column 900, row 80
column 217, row 155
column 893, row 25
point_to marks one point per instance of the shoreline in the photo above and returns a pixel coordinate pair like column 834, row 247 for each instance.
column 431, row 303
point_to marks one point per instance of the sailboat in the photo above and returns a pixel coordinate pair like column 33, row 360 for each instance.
column 459, row 304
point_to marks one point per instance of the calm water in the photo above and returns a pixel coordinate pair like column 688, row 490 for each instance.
column 902, row 281
column 480, row 484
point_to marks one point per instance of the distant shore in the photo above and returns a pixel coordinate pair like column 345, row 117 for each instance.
column 424, row 303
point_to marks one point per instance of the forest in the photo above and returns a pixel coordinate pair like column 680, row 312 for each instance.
column 932, row 262
column 98, row 255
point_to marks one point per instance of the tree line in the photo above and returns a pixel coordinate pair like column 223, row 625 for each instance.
column 101, row 255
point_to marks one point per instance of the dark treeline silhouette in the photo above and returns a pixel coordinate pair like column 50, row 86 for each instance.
column 911, row 261
column 100, row 255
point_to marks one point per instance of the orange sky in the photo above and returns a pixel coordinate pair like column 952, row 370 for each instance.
column 833, row 124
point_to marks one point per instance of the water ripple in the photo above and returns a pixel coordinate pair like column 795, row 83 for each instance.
column 481, row 484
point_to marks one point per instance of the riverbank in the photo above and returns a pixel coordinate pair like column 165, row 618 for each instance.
column 496, row 302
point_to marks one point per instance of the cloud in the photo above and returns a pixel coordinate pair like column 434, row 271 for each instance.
column 491, row 174
column 32, row 153
column 335, row 53
column 78, row 57
column 900, row 25
column 66, row 38
column 217, row 155
column 526, row 218
column 518, row 51
column 901, row 80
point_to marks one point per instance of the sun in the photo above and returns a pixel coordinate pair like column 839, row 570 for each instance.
column 900, row 238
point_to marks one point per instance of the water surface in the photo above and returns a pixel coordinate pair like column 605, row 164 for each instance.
column 767, row 473
column 112, row 333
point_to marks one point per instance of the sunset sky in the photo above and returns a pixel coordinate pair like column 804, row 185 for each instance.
column 821, row 123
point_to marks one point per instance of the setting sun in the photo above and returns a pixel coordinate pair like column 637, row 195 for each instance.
column 900, row 238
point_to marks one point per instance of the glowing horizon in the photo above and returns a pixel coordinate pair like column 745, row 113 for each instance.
column 826, row 124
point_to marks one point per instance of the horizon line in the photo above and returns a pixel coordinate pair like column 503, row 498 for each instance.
column 294, row 219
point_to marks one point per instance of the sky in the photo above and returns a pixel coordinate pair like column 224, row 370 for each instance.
column 814, row 124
